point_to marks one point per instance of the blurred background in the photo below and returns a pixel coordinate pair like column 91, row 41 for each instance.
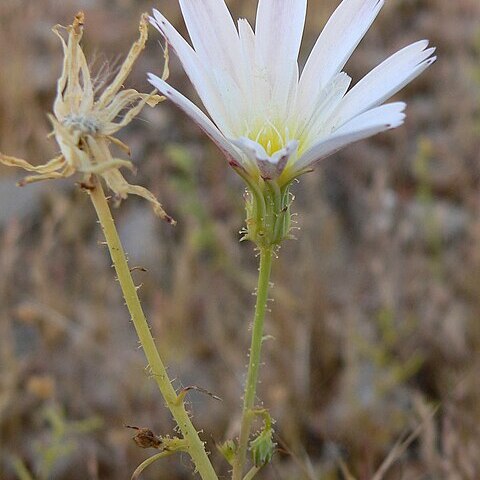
column 376, row 306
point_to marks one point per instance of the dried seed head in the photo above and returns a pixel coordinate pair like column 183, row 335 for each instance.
column 84, row 124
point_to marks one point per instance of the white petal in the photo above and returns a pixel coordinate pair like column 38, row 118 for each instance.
column 255, row 154
column 323, row 106
column 278, row 34
column 247, row 61
column 279, row 30
column 184, row 51
column 201, row 78
column 386, row 80
column 257, row 87
column 369, row 123
column 341, row 35
column 253, row 149
column 270, row 167
column 247, row 45
column 198, row 116
column 233, row 101
column 213, row 33
column 281, row 158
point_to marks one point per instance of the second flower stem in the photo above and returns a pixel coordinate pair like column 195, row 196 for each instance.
column 196, row 447
column 266, row 255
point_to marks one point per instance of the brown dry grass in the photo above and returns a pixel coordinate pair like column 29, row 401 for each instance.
column 376, row 306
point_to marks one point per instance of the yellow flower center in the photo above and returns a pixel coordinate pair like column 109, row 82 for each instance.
column 271, row 138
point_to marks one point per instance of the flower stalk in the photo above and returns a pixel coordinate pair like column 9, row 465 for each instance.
column 195, row 446
column 138, row 471
column 252, row 472
column 268, row 223
column 266, row 256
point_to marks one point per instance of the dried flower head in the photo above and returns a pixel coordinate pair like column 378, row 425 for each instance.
column 84, row 126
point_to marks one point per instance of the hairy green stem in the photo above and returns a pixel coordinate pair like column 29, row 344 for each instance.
column 253, row 471
column 148, row 462
column 266, row 255
column 196, row 447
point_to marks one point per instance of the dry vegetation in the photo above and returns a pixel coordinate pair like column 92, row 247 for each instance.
column 376, row 305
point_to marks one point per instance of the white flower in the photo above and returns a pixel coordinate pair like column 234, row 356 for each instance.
column 268, row 120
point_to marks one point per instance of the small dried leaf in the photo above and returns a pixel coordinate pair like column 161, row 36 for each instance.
column 145, row 438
